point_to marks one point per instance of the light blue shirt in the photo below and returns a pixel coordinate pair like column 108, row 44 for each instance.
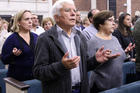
column 78, row 28
column 71, row 48
column 89, row 31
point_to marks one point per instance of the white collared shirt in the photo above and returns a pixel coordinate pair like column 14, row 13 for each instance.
column 39, row 30
column 71, row 47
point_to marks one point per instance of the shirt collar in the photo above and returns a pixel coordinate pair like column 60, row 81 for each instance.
column 60, row 30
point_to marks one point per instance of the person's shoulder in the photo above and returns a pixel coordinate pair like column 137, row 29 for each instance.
column 114, row 38
column 13, row 35
column 116, row 32
column 34, row 34
column 93, row 39
column 88, row 27
column 81, row 35
column 45, row 34
column 39, row 27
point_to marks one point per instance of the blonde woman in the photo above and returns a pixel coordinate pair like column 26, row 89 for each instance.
column 47, row 23
column 86, row 22
column 18, row 49
column 3, row 33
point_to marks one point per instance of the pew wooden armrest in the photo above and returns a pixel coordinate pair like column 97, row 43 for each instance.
column 15, row 86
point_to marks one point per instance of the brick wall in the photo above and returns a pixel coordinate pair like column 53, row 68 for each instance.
column 82, row 5
column 101, row 4
column 135, row 6
column 85, row 5
column 120, row 6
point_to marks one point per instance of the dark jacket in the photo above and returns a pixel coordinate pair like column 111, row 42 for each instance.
column 124, row 41
column 48, row 66
column 136, row 35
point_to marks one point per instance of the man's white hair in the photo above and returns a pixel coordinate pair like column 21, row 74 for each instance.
column 58, row 5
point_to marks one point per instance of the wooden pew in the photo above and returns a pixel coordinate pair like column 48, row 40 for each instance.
column 14, row 86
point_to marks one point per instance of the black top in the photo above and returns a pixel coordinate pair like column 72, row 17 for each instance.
column 124, row 41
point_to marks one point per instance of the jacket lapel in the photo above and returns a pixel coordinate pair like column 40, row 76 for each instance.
column 57, row 40
column 78, row 46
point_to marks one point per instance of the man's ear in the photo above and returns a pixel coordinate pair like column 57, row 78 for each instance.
column 90, row 19
column 56, row 17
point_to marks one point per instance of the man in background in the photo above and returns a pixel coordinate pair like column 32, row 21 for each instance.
column 35, row 25
column 78, row 25
column 89, row 31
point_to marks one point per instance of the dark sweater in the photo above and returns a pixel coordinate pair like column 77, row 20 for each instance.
column 124, row 41
column 20, row 67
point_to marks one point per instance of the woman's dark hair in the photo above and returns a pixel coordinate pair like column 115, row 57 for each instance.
column 125, row 30
column 90, row 13
column 101, row 17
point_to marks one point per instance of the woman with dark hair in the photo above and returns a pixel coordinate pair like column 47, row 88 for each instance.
column 109, row 74
column 124, row 34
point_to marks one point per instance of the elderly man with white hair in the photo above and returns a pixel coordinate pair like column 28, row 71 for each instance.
column 61, row 61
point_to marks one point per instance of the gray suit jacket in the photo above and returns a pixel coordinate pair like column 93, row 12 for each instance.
column 48, row 66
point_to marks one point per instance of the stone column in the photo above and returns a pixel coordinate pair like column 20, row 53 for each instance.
column 129, row 6
column 93, row 4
